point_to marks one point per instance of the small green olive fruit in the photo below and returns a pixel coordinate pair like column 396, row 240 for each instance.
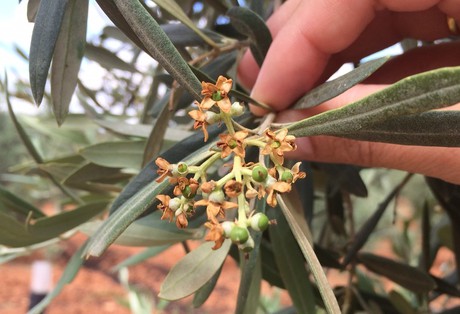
column 259, row 222
column 287, row 176
column 188, row 192
column 259, row 173
column 217, row 196
column 239, row 235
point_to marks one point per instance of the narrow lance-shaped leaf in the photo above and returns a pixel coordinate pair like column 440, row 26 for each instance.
column 433, row 128
column 130, row 209
column 330, row 302
column 336, row 87
column 159, row 45
column 407, row 276
column 193, row 271
column 175, row 10
column 415, row 94
column 368, row 227
column 291, row 264
column 107, row 59
column 32, row 8
column 67, row 57
column 252, row 25
column 44, row 36
column 251, row 273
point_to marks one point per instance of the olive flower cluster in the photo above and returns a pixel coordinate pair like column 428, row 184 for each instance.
column 244, row 181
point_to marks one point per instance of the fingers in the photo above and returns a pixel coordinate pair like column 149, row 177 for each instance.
column 440, row 162
column 307, row 33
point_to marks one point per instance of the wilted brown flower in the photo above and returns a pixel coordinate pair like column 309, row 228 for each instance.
column 277, row 144
column 280, row 187
column 233, row 188
column 164, row 169
column 200, row 121
column 208, row 187
column 168, row 213
column 216, row 94
column 296, row 173
column 186, row 187
column 215, row 209
column 181, row 221
column 216, row 234
column 232, row 143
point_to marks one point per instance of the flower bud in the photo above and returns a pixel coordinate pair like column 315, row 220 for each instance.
column 259, row 222
column 174, row 203
column 248, row 246
column 239, row 235
column 212, row 117
column 217, row 196
column 237, row 109
column 259, row 173
column 228, row 227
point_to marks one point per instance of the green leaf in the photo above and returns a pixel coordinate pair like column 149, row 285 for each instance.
column 193, row 271
column 148, row 231
column 252, row 25
column 330, row 302
column 44, row 36
column 141, row 130
column 107, row 59
column 202, row 294
column 183, row 36
column 408, row 277
column 434, row 128
column 13, row 203
column 123, row 154
column 291, row 264
column 159, row 45
column 401, row 303
column 17, row 234
column 70, row 271
column 131, row 208
column 415, row 94
column 140, row 257
column 175, row 10
column 368, row 227
column 251, row 273
column 67, row 57
column 331, row 89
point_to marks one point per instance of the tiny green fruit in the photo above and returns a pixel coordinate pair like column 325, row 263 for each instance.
column 239, row 235
column 259, row 222
column 259, row 173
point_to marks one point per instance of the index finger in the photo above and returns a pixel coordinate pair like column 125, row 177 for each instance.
column 305, row 39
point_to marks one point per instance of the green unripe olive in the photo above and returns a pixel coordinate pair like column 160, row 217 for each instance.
column 182, row 168
column 287, row 176
column 216, row 96
column 259, row 222
column 188, row 192
column 239, row 235
column 259, row 173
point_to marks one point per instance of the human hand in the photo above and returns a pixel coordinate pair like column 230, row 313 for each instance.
column 313, row 38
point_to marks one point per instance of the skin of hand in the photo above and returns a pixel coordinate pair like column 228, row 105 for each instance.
column 313, row 38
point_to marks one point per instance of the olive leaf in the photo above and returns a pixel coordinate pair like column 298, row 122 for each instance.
column 46, row 30
column 333, row 88
column 193, row 271
column 159, row 45
column 67, row 57
column 415, row 94
column 252, row 25
column 407, row 276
